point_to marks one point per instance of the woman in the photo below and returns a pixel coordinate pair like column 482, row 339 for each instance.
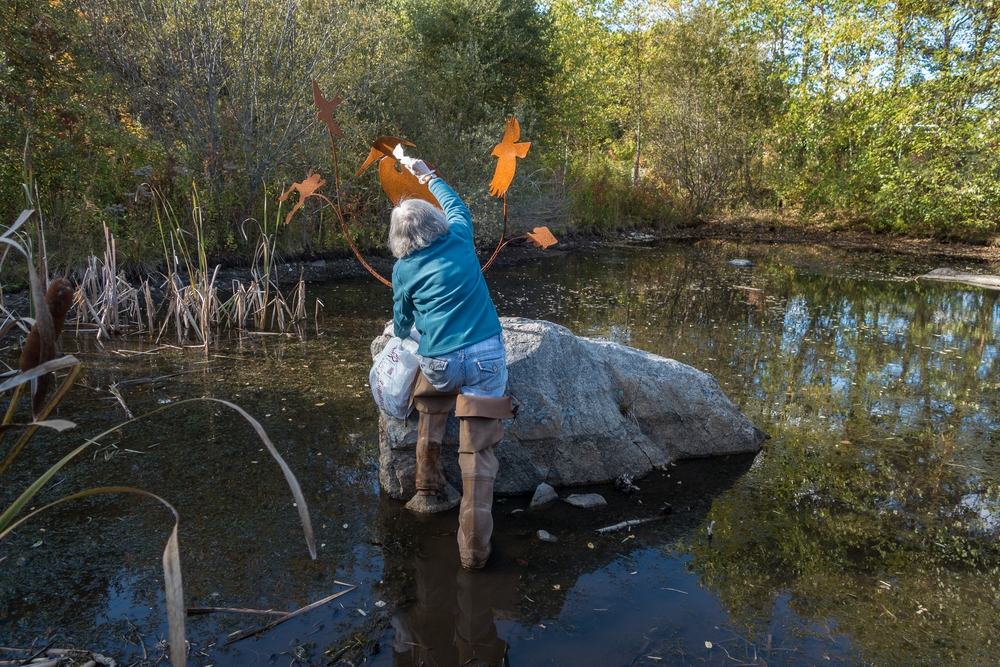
column 438, row 286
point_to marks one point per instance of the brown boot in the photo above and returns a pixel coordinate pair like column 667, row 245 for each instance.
column 434, row 494
column 480, row 429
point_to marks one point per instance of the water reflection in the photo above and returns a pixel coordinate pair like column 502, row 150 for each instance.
column 865, row 531
column 449, row 617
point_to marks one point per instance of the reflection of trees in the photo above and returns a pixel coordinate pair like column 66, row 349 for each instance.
column 880, row 397
column 827, row 525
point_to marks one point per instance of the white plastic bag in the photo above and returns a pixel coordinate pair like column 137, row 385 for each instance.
column 392, row 376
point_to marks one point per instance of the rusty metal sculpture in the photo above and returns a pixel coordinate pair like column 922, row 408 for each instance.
column 306, row 189
column 541, row 237
column 506, row 153
column 325, row 114
column 399, row 183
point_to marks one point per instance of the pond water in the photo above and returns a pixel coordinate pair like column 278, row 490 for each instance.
column 865, row 532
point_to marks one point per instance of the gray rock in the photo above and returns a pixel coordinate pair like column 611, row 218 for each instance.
column 740, row 262
column 544, row 494
column 587, row 501
column 591, row 411
column 545, row 536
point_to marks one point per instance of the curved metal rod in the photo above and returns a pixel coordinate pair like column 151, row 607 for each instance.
column 350, row 241
column 509, row 241
column 500, row 243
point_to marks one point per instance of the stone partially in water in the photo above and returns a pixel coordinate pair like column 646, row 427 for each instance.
column 591, row 411
column 587, row 501
column 544, row 494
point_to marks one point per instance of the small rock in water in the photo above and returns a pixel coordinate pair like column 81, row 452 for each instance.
column 587, row 501
column 740, row 262
column 545, row 536
column 624, row 484
column 544, row 494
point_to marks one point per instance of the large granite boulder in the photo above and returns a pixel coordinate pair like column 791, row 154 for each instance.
column 591, row 410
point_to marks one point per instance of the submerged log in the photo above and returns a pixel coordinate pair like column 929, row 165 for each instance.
column 591, row 411
column 953, row 276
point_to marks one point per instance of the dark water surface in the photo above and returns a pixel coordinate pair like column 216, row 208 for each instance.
column 865, row 532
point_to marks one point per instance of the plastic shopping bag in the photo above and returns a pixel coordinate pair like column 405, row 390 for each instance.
column 393, row 375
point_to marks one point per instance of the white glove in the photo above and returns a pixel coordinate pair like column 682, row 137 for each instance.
column 416, row 167
column 419, row 169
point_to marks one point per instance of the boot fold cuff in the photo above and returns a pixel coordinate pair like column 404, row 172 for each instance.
column 434, row 405
column 482, row 406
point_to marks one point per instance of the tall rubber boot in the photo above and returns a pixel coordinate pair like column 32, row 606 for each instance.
column 434, row 494
column 480, row 429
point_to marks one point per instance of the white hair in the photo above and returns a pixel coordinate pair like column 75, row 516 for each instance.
column 414, row 225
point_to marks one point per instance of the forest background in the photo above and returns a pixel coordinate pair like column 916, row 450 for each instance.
column 872, row 114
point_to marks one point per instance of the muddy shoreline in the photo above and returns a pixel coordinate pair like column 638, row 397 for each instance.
column 737, row 231
column 343, row 265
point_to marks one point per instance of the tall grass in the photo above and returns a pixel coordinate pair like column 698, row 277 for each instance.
column 191, row 306
column 39, row 363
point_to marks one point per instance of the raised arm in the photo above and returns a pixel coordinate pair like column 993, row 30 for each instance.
column 455, row 210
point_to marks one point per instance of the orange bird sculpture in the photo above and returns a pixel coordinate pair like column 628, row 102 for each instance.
column 507, row 151
column 309, row 185
column 397, row 182
column 326, row 108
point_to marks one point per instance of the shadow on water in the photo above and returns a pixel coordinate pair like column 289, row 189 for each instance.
column 865, row 532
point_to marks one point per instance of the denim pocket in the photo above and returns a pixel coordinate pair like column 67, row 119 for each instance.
column 436, row 364
column 489, row 365
column 436, row 372
column 490, row 373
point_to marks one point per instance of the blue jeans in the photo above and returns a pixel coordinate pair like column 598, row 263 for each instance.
column 477, row 370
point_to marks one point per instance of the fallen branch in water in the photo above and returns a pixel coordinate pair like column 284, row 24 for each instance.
column 628, row 524
column 233, row 610
column 278, row 621
column 58, row 653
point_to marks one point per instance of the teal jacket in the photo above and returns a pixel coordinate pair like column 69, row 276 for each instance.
column 441, row 287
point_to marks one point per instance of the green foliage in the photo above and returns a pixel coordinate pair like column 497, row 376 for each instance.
column 471, row 65
column 713, row 98
column 880, row 113
column 602, row 199
column 891, row 114
column 63, row 119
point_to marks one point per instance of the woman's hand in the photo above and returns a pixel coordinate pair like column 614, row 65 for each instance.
column 418, row 168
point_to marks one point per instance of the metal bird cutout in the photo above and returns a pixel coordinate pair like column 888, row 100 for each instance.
column 507, row 151
column 325, row 114
column 541, row 237
column 398, row 183
column 307, row 188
